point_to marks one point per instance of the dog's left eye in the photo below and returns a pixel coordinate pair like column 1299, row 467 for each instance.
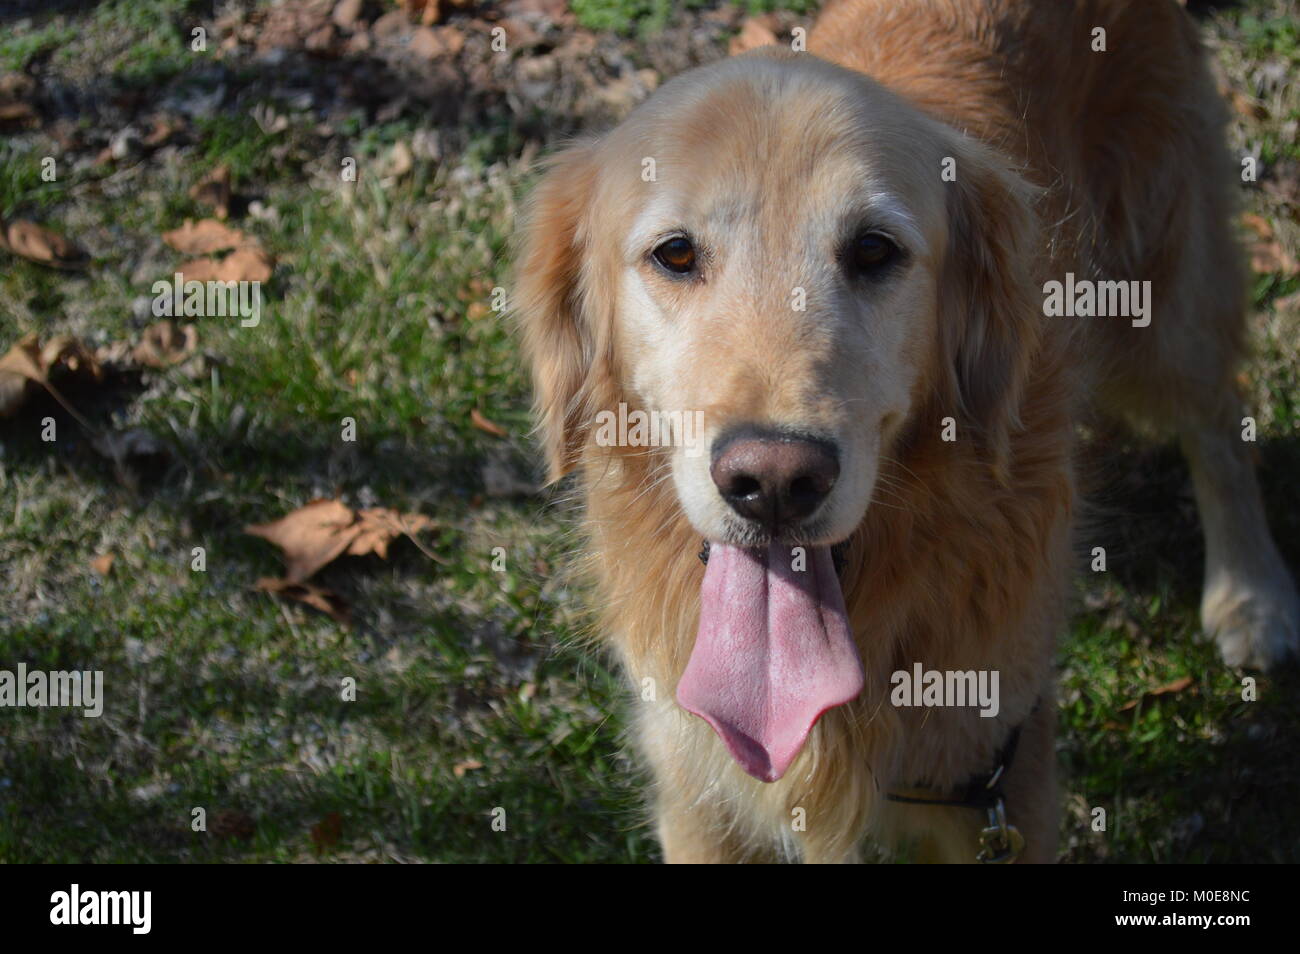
column 677, row 255
column 871, row 252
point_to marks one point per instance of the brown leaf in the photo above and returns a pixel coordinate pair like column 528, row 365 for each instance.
column 214, row 190
column 469, row 765
column 319, row 598
column 206, row 236
column 27, row 361
column 380, row 526
column 324, row 530
column 248, row 264
column 483, row 424
column 311, row 536
column 163, row 345
column 68, row 352
column 102, row 565
column 1178, row 685
column 754, row 32
column 38, row 244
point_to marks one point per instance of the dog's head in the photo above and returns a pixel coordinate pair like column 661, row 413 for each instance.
column 796, row 271
column 791, row 255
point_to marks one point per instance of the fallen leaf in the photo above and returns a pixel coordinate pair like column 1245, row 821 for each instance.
column 214, row 190
column 163, row 345
column 206, row 236
column 27, row 362
column 754, row 32
column 469, row 765
column 65, row 351
column 1178, row 685
column 323, row 530
column 483, row 424
column 102, row 565
column 18, row 368
column 327, row 601
column 248, row 264
column 38, row 244
column 311, row 536
column 380, row 526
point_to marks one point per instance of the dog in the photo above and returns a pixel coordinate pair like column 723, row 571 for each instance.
column 842, row 262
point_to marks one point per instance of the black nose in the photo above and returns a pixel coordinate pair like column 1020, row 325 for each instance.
column 774, row 479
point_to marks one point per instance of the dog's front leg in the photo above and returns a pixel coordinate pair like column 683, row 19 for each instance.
column 697, row 834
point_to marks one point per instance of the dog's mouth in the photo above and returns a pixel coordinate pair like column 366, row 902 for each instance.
column 839, row 556
column 773, row 652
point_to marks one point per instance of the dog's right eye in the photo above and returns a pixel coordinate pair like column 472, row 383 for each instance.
column 677, row 255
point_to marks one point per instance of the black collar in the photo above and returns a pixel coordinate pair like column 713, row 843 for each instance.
column 982, row 791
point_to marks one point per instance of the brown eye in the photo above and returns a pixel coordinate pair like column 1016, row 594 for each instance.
column 871, row 252
column 677, row 255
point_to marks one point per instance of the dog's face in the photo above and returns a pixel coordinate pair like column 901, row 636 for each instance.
column 797, row 255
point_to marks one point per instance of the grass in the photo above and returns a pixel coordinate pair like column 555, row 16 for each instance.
column 471, row 692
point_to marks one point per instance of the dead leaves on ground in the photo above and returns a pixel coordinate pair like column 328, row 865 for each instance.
column 247, row 261
column 163, row 345
column 30, row 363
column 319, row 533
column 38, row 244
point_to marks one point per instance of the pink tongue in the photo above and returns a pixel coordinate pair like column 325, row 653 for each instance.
column 774, row 652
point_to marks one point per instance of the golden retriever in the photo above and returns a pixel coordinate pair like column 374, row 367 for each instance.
column 887, row 276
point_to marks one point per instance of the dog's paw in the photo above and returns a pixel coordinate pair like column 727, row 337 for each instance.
column 1256, row 622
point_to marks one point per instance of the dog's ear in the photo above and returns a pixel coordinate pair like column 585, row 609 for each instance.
column 561, row 342
column 990, row 309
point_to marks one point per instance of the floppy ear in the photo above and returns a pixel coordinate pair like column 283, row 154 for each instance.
column 990, row 308
column 561, row 342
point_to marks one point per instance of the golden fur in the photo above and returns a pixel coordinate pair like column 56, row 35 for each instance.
column 1108, row 165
